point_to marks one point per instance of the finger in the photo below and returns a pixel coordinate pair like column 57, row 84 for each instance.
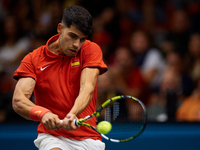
column 55, row 123
column 47, row 125
column 65, row 124
column 51, row 124
column 73, row 126
column 58, row 124
column 71, row 117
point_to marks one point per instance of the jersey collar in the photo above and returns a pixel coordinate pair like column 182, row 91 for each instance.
column 48, row 52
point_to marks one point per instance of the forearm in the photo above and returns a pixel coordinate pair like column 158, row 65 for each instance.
column 22, row 105
column 22, row 93
column 87, row 87
column 82, row 101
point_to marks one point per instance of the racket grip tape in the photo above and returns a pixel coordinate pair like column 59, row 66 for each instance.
column 75, row 122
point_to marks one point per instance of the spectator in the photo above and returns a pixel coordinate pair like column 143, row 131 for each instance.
column 106, row 31
column 178, row 63
column 11, row 53
column 24, row 14
column 46, row 23
column 193, row 9
column 194, row 51
column 162, row 105
column 189, row 110
column 126, row 77
column 130, row 16
column 148, row 58
column 105, row 87
column 178, row 33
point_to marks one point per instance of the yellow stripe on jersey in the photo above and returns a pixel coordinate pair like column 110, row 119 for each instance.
column 75, row 63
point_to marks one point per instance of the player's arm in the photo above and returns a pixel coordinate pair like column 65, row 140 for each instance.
column 23, row 106
column 22, row 93
column 87, row 85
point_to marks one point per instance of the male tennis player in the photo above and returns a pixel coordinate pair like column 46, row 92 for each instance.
column 63, row 75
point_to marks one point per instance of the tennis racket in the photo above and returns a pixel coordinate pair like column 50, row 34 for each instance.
column 127, row 115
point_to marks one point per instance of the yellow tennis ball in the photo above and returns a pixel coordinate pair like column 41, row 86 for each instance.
column 104, row 127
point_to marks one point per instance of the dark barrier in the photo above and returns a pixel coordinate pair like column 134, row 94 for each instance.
column 157, row 136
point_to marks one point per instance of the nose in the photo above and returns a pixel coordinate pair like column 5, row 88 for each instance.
column 76, row 43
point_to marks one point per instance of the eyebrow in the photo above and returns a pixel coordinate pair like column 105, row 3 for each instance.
column 73, row 34
column 77, row 35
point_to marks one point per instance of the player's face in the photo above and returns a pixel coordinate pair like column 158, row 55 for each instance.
column 71, row 39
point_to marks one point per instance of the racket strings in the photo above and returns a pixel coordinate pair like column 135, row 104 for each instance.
column 108, row 114
column 127, row 118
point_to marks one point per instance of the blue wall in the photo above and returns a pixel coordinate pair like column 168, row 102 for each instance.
column 164, row 136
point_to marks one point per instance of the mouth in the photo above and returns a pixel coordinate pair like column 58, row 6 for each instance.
column 73, row 51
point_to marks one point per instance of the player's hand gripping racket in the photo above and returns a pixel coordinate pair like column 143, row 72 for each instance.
column 127, row 115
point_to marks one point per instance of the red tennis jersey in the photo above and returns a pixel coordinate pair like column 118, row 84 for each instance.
column 58, row 83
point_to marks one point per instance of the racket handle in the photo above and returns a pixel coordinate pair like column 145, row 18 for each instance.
column 75, row 122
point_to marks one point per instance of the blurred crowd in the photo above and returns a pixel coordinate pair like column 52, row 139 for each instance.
column 151, row 47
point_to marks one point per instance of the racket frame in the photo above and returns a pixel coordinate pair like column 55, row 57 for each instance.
column 106, row 103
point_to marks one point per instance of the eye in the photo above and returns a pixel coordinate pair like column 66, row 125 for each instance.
column 82, row 40
column 73, row 36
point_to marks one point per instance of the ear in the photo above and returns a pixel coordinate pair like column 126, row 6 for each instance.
column 59, row 28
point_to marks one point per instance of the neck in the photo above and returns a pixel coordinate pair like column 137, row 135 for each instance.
column 55, row 48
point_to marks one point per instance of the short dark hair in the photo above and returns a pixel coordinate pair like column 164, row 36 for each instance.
column 79, row 17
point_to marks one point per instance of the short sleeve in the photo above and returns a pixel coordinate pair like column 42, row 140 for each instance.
column 93, row 57
column 26, row 68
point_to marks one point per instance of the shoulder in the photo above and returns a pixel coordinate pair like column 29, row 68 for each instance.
column 34, row 55
column 89, row 45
